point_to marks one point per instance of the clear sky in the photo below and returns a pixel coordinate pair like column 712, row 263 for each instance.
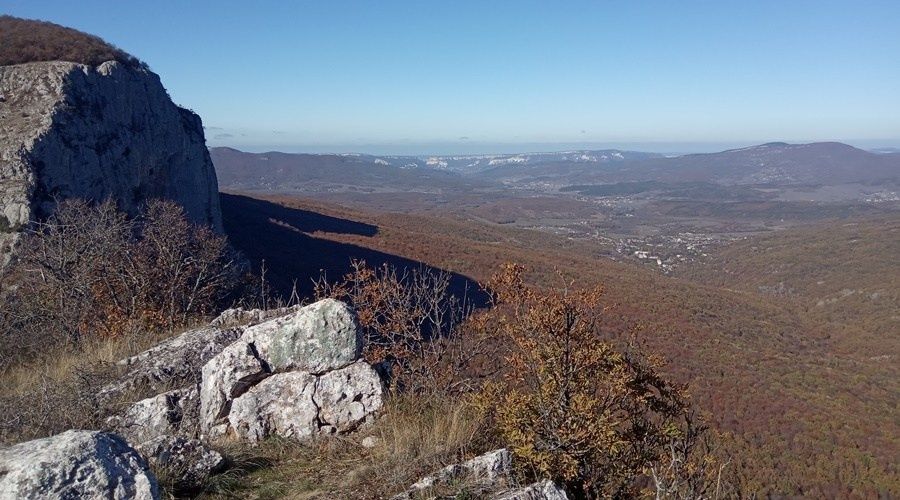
column 485, row 76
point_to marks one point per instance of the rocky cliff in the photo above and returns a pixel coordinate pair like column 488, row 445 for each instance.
column 96, row 132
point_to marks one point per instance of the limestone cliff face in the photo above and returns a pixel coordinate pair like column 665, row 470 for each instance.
column 74, row 131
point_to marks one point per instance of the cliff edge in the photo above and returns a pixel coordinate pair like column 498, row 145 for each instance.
column 70, row 130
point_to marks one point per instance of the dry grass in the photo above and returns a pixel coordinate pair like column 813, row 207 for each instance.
column 60, row 389
column 415, row 437
column 62, row 365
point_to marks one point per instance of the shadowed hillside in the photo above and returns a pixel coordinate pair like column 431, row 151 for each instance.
column 296, row 248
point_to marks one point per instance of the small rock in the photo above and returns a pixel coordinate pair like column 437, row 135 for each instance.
column 489, row 466
column 485, row 469
column 370, row 441
column 543, row 490
column 75, row 464
column 187, row 461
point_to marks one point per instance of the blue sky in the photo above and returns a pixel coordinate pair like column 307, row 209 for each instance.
column 459, row 77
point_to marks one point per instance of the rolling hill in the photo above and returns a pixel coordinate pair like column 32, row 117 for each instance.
column 773, row 164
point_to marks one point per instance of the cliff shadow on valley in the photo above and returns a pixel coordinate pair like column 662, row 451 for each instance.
column 263, row 230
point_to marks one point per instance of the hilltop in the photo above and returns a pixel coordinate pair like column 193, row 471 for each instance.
column 27, row 40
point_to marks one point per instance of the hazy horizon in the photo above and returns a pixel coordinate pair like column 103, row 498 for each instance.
column 478, row 149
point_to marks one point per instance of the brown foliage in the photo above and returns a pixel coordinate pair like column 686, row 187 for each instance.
column 574, row 408
column 26, row 40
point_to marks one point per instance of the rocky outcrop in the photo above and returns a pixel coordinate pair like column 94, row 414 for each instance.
column 295, row 376
column 75, row 464
column 111, row 131
column 176, row 362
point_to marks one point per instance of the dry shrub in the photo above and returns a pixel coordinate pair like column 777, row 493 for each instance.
column 90, row 271
column 414, row 324
column 694, row 465
column 573, row 408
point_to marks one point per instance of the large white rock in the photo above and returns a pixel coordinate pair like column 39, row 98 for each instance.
column 75, row 464
column 294, row 376
column 347, row 397
column 280, row 405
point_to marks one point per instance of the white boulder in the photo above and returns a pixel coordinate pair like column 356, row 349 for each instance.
column 169, row 413
column 75, row 464
column 347, row 397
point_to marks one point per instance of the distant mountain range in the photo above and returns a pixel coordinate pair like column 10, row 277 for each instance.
column 775, row 164
column 290, row 172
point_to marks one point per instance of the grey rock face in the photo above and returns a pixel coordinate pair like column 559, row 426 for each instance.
column 69, row 130
column 239, row 316
column 293, row 376
column 169, row 413
column 75, row 464
column 280, row 405
column 228, row 375
column 188, row 461
column 543, row 490
column 320, row 337
column 174, row 362
column 347, row 397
